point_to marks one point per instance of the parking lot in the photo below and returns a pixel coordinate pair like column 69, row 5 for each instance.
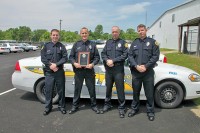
column 20, row 111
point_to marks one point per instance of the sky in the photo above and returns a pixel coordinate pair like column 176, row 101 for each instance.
column 75, row 14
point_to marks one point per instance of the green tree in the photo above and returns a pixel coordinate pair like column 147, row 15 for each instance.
column 99, row 29
column 24, row 33
column 45, row 37
column 9, row 34
column 130, row 31
column 36, row 34
column 106, row 36
column 122, row 34
column 98, row 32
column 130, row 34
column 2, row 35
column 68, row 36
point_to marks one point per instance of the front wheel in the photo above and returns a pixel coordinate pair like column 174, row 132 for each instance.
column 168, row 95
column 40, row 92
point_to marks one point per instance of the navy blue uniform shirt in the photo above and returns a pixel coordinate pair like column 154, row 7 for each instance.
column 81, row 46
column 143, row 52
column 116, row 50
column 54, row 53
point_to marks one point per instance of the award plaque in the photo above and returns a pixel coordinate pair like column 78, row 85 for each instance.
column 84, row 58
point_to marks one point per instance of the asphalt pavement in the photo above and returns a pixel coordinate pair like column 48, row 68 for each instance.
column 21, row 112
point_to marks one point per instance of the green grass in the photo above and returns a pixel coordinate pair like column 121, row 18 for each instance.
column 197, row 102
column 166, row 49
column 189, row 61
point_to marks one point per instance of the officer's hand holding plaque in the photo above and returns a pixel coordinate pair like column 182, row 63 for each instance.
column 84, row 58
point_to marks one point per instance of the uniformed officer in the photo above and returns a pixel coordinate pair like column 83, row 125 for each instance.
column 87, row 72
column 143, row 55
column 53, row 56
column 114, row 55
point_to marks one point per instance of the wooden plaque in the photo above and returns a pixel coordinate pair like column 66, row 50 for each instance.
column 84, row 58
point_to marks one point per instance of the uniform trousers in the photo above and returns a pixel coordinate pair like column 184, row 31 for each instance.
column 55, row 80
column 89, row 76
column 147, row 79
column 115, row 75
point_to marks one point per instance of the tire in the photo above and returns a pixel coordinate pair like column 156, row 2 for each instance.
column 40, row 92
column 168, row 95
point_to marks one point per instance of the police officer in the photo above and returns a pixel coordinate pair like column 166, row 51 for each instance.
column 84, row 72
column 143, row 55
column 53, row 56
column 114, row 54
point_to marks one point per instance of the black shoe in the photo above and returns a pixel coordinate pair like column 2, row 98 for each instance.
column 106, row 108
column 96, row 110
column 151, row 116
column 47, row 111
column 73, row 110
column 132, row 113
column 121, row 113
column 62, row 110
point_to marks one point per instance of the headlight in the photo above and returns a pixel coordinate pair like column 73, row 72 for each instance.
column 194, row 77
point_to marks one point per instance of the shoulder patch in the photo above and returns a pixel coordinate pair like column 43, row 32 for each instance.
column 126, row 45
column 156, row 43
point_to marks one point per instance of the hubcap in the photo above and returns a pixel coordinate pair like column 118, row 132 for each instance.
column 168, row 94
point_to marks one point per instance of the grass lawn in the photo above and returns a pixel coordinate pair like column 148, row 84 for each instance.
column 189, row 61
column 166, row 49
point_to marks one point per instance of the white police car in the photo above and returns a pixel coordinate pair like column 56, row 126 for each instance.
column 173, row 83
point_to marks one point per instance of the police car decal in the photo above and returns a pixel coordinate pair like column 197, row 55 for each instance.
column 99, row 81
column 173, row 73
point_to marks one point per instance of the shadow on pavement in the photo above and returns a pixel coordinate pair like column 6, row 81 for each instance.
column 29, row 97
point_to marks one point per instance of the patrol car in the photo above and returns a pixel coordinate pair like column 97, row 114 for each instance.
column 173, row 83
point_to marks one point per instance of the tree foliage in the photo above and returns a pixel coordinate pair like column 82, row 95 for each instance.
column 24, row 33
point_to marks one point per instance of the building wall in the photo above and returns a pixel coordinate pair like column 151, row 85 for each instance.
column 167, row 35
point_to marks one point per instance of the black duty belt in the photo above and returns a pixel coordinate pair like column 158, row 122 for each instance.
column 119, row 64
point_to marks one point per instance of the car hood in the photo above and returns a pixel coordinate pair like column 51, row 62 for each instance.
column 173, row 67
